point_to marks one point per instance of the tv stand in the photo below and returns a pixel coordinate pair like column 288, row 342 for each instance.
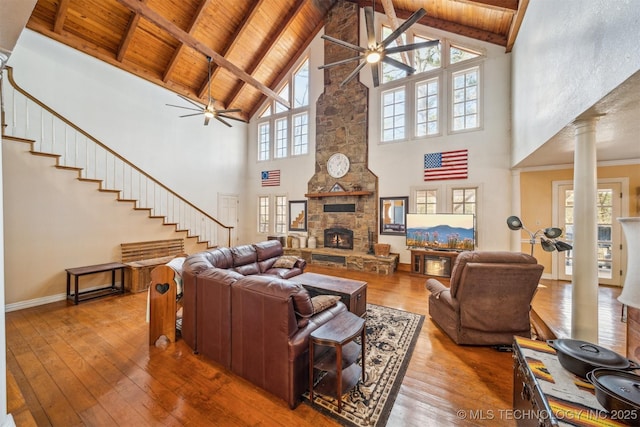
column 433, row 263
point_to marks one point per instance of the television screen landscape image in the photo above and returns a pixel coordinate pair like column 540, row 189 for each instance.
column 441, row 231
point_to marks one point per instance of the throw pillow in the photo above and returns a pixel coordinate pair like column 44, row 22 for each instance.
column 322, row 302
column 287, row 261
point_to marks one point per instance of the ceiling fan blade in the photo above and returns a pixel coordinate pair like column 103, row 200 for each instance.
column 231, row 117
column 345, row 44
column 191, row 102
column 413, row 46
column 399, row 64
column 206, row 120
column 186, row 108
column 194, row 114
column 404, row 26
column 371, row 29
column 343, row 61
column 220, row 120
column 353, row 73
column 375, row 74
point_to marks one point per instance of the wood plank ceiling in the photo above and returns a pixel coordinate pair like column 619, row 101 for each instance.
column 252, row 44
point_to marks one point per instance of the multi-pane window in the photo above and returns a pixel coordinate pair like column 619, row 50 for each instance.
column 281, row 138
column 426, row 201
column 459, row 54
column 465, row 108
column 263, row 141
column 263, row 214
column 464, row 201
column 426, row 59
column 282, row 131
column 300, row 133
column 389, row 72
column 393, row 114
column 427, row 116
column 281, row 214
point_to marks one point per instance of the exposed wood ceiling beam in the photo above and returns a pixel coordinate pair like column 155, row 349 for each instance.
column 498, row 4
column 189, row 40
column 271, row 44
column 176, row 54
column 234, row 39
column 452, row 27
column 131, row 29
column 61, row 16
column 515, row 24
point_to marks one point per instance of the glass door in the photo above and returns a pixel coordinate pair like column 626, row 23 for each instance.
column 609, row 232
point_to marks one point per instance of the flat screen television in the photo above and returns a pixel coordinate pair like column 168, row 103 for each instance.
column 441, row 231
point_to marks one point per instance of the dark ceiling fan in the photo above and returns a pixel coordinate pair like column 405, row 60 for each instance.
column 209, row 110
column 376, row 52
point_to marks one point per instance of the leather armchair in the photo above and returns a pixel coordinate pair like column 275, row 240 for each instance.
column 489, row 298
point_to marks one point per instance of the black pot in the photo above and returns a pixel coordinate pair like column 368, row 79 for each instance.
column 619, row 393
column 581, row 357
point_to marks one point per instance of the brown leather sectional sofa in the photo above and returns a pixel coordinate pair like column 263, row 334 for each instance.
column 241, row 312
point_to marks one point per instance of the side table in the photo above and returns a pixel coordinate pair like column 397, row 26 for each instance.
column 338, row 359
column 79, row 296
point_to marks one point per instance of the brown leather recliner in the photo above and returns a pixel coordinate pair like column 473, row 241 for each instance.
column 489, row 297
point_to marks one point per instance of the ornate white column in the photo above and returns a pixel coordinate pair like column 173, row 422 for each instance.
column 584, row 313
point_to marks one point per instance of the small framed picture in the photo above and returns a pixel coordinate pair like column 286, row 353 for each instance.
column 298, row 215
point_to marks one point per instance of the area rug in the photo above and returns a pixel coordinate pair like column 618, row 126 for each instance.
column 391, row 337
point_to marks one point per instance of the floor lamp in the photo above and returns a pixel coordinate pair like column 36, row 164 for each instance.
column 548, row 236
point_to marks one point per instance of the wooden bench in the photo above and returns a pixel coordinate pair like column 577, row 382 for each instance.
column 142, row 257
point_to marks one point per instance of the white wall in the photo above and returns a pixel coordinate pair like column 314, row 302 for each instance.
column 399, row 166
column 129, row 115
column 567, row 56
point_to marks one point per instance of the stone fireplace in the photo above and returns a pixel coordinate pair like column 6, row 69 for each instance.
column 341, row 127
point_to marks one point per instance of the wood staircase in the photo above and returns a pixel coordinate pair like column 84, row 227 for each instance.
column 26, row 119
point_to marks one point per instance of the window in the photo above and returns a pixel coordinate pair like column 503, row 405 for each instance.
column 393, row 107
column 464, row 200
column 263, row 214
column 281, row 138
column 465, row 99
column 281, row 214
column 427, row 115
column 263, row 138
column 410, row 106
column 300, row 133
column 285, row 132
column 426, row 201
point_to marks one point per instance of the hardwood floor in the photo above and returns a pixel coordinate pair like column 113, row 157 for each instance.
column 91, row 365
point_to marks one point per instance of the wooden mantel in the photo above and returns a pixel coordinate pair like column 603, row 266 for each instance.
column 338, row 194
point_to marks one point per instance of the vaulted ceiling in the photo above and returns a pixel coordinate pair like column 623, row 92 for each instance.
column 252, row 44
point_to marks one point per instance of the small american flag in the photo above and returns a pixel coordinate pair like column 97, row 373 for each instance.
column 445, row 165
column 271, row 178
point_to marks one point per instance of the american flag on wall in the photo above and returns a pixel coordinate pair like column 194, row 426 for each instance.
column 445, row 165
column 271, row 178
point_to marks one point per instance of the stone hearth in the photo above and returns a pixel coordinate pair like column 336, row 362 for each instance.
column 346, row 259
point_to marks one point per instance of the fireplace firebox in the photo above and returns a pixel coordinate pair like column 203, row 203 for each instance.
column 340, row 238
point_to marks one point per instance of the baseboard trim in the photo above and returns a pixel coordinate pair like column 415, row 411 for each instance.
column 45, row 300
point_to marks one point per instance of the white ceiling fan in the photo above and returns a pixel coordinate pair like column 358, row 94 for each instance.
column 209, row 110
column 376, row 52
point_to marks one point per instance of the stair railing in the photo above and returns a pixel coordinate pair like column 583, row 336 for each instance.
column 23, row 116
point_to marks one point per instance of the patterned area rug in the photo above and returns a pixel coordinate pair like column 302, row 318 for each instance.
column 391, row 337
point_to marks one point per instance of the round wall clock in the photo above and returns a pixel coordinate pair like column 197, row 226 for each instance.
column 338, row 165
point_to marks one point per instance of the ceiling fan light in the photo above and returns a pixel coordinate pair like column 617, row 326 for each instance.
column 373, row 57
column 208, row 114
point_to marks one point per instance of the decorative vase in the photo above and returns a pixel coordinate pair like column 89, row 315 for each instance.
column 289, row 241
column 631, row 291
column 303, row 241
column 312, row 243
column 295, row 243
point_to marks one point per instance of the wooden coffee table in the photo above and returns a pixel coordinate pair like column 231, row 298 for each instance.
column 338, row 360
column 353, row 293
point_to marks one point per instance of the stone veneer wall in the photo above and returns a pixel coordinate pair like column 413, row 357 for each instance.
column 341, row 127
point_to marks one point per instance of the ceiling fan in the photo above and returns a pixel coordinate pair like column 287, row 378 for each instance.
column 376, row 52
column 209, row 110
